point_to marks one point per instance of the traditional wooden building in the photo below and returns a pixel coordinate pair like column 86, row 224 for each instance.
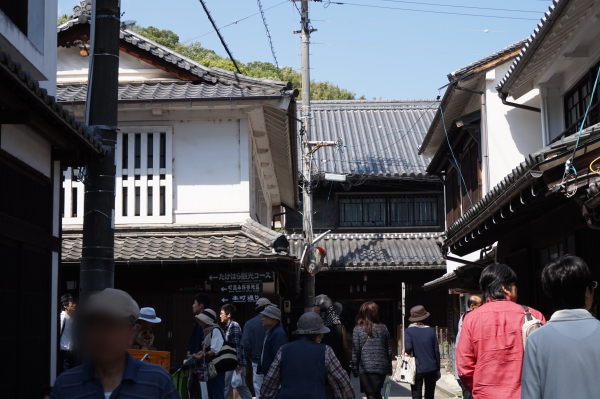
column 385, row 218
column 38, row 139
column 205, row 157
column 537, row 211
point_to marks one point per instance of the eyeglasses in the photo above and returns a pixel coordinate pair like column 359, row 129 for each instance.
column 594, row 284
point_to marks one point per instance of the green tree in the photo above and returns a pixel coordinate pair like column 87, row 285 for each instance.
column 62, row 19
column 257, row 69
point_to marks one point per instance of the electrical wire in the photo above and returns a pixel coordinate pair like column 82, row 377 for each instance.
column 396, row 49
column 264, row 19
column 420, row 27
column 212, row 21
column 592, row 169
column 459, row 6
column 454, row 157
column 430, row 11
column 234, row 22
column 569, row 167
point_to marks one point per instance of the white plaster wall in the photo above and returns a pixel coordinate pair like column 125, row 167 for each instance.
column 35, row 50
column 513, row 133
column 73, row 68
column 211, row 171
column 28, row 146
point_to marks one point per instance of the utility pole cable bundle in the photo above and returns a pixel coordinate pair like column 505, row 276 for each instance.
column 309, row 279
column 97, row 260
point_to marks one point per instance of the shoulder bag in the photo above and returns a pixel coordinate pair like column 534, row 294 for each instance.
column 226, row 359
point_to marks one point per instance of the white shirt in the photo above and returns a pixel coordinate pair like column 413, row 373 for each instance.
column 216, row 341
column 107, row 395
column 66, row 343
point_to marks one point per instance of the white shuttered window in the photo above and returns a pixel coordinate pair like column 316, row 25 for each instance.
column 144, row 189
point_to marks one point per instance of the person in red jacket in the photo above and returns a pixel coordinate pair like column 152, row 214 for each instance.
column 489, row 356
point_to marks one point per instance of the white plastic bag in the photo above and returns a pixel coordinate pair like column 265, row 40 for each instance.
column 236, row 379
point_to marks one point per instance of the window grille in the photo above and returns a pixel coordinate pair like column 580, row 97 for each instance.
column 144, row 192
column 388, row 210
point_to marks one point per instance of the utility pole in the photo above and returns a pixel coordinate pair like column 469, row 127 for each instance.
column 97, row 261
column 308, row 286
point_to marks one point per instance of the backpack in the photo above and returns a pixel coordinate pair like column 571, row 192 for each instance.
column 530, row 324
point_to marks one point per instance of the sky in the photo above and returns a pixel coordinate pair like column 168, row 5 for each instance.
column 376, row 48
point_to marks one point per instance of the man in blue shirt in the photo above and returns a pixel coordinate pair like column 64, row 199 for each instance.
column 111, row 372
column 253, row 337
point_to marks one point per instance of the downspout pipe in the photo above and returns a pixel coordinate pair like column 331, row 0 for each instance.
column 484, row 138
column 503, row 96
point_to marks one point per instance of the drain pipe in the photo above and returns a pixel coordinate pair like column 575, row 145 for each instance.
column 484, row 138
column 503, row 96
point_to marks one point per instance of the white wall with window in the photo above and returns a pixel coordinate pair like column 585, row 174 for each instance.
column 191, row 172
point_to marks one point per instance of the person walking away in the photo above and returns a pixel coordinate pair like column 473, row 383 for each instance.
column 336, row 335
column 146, row 321
column 233, row 335
column 562, row 359
column 274, row 339
column 489, row 356
column 111, row 372
column 422, row 343
column 212, row 344
column 302, row 369
column 253, row 338
column 371, row 351
column 197, row 375
column 473, row 303
column 66, row 357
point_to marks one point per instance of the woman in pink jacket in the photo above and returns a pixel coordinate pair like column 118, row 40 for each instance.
column 489, row 356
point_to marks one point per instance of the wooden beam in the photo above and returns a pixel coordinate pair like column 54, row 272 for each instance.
column 21, row 231
column 14, row 116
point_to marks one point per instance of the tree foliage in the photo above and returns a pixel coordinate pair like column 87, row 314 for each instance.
column 62, row 19
column 257, row 69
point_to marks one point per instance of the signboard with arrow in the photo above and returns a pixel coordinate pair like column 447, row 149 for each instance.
column 244, row 288
column 254, row 276
column 238, row 298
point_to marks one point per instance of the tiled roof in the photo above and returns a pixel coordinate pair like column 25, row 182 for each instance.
column 380, row 138
column 377, row 251
column 167, row 91
column 486, row 60
column 542, row 30
column 209, row 75
column 250, row 240
column 47, row 103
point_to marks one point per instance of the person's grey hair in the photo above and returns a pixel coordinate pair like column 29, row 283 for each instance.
column 313, row 337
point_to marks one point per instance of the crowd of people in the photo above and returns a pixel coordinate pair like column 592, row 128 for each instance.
column 503, row 350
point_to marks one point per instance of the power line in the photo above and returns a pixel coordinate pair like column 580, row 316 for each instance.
column 262, row 13
column 454, row 157
column 212, row 21
column 459, row 6
column 397, row 49
column 420, row 27
column 234, row 22
column 430, row 11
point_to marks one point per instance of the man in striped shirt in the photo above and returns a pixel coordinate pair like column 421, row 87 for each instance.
column 111, row 372
column 233, row 335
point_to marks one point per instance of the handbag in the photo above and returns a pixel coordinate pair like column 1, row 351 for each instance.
column 387, row 387
column 212, row 371
column 226, row 359
column 406, row 369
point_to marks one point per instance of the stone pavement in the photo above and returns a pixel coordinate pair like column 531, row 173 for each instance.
column 446, row 387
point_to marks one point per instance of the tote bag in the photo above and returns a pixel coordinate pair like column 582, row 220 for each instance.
column 406, row 370
column 226, row 359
